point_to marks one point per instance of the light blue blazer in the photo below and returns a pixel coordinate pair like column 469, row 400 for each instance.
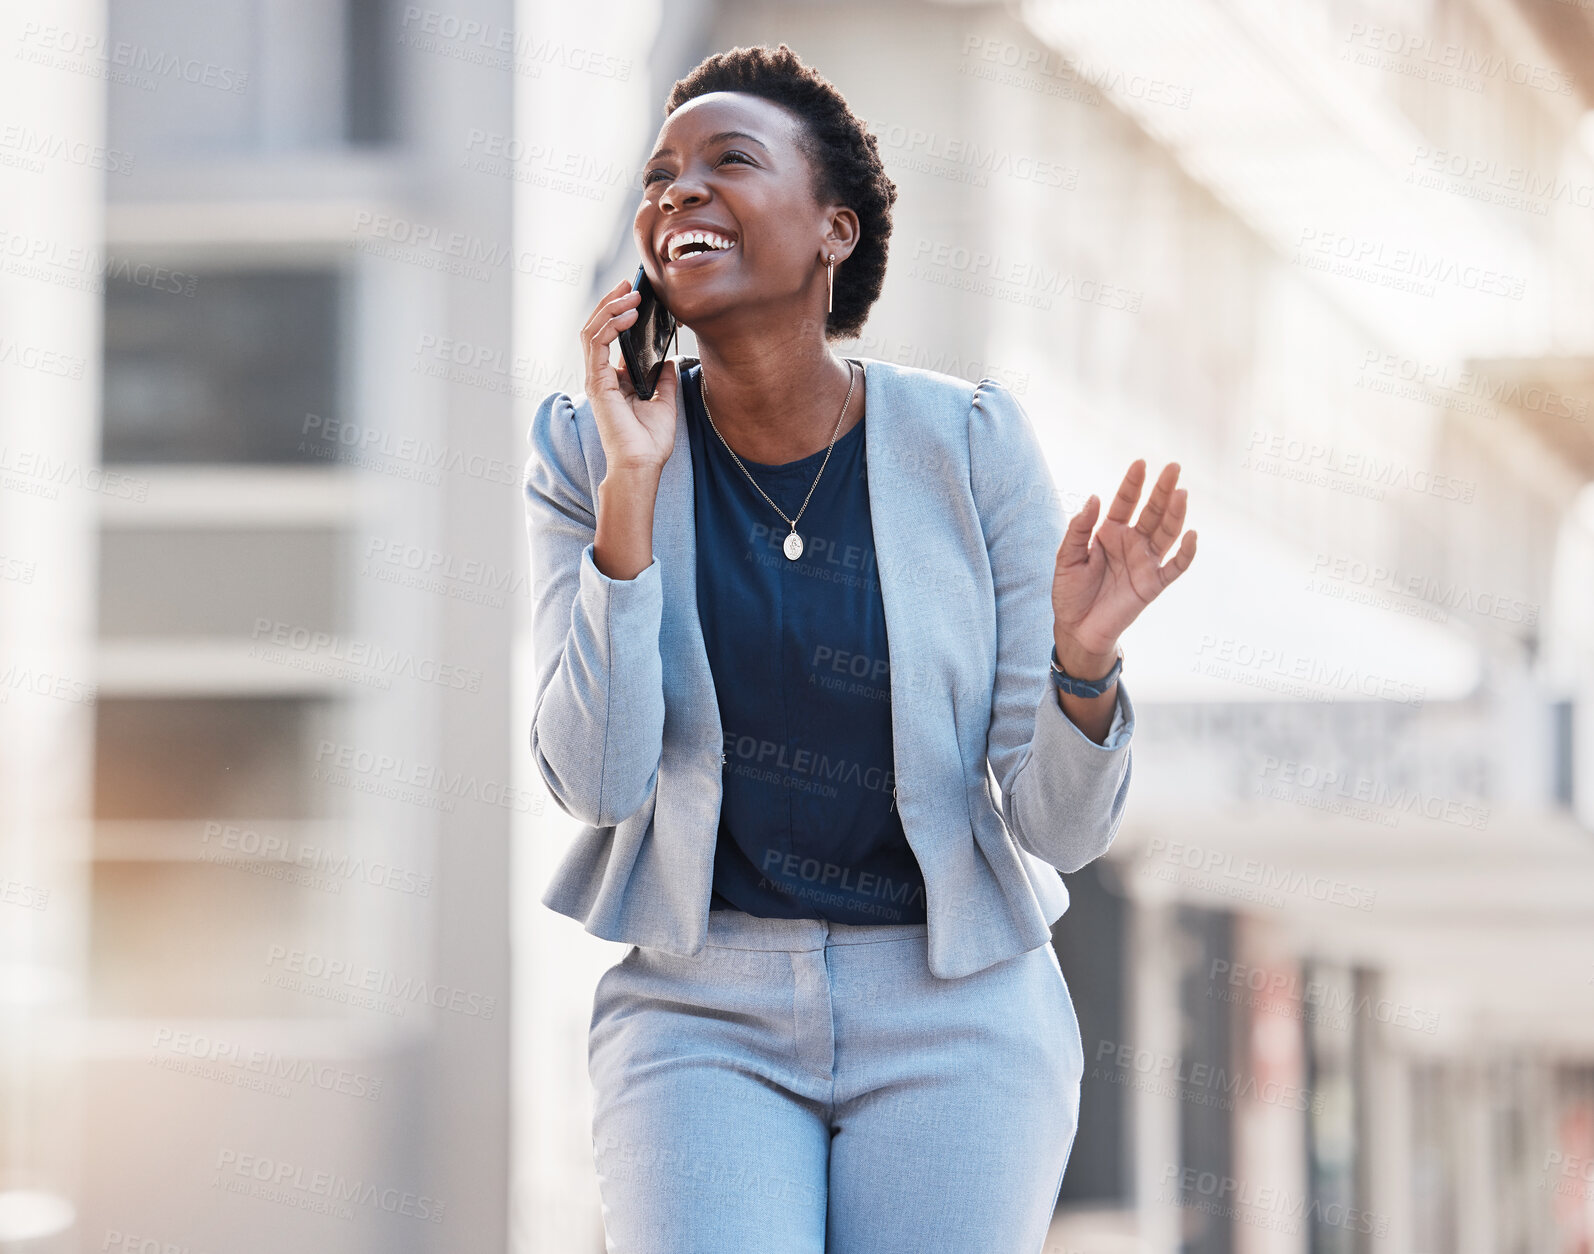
column 626, row 729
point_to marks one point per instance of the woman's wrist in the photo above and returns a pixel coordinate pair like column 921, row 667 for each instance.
column 1080, row 661
column 1092, row 715
column 622, row 544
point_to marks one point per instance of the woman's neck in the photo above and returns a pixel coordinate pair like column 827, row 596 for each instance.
column 776, row 403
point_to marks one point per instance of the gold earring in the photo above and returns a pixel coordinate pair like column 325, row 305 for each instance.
column 830, row 272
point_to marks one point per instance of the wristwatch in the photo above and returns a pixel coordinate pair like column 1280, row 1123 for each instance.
column 1084, row 687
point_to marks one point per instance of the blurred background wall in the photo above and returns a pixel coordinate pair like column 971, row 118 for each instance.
column 281, row 283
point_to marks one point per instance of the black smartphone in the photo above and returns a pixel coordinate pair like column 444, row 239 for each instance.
column 646, row 342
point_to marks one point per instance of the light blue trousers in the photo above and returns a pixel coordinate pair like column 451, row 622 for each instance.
column 802, row 1087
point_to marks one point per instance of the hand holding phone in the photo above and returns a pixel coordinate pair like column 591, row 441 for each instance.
column 638, row 432
column 647, row 340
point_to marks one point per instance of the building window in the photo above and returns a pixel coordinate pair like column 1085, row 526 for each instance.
column 250, row 76
column 1091, row 940
column 237, row 371
column 188, row 758
column 1336, row 1130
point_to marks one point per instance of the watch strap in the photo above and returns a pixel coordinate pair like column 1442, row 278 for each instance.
column 1085, row 687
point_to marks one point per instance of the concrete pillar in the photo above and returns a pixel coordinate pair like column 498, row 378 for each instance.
column 51, row 254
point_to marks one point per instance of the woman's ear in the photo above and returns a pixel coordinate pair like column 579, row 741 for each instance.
column 843, row 235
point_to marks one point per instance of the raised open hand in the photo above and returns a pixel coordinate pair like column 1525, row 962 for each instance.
column 1101, row 584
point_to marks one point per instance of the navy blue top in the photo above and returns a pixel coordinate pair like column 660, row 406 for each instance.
column 808, row 825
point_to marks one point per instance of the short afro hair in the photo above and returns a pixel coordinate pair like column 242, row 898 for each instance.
column 843, row 154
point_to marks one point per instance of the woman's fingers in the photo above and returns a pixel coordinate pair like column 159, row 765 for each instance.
column 612, row 318
column 1076, row 539
column 1171, row 524
column 1180, row 561
column 595, row 319
column 1157, row 503
column 613, row 315
column 627, row 388
column 610, row 330
column 1123, row 505
column 665, row 386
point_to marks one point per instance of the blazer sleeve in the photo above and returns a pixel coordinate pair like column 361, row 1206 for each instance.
column 1062, row 794
column 597, row 723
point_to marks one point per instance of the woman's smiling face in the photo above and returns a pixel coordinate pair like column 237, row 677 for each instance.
column 728, row 163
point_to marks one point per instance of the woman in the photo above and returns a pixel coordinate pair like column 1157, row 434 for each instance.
column 788, row 613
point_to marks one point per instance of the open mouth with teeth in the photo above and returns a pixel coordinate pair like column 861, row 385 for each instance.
column 691, row 247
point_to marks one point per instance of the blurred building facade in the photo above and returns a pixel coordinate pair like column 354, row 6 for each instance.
column 301, row 565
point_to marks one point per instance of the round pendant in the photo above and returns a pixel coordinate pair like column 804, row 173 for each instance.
column 793, row 546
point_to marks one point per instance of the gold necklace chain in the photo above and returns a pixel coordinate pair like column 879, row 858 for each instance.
column 793, row 545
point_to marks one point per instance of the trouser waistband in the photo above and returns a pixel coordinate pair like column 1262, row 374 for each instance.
column 736, row 929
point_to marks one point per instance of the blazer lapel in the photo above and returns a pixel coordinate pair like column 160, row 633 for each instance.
column 894, row 518
column 688, row 679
